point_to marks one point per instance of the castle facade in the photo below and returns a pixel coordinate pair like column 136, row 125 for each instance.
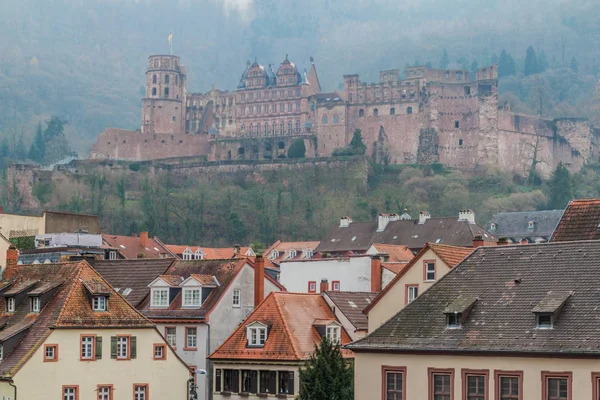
column 429, row 116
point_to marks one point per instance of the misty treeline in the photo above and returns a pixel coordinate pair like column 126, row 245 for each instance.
column 84, row 61
column 300, row 203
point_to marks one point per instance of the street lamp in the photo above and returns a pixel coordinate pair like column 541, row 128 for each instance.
column 193, row 394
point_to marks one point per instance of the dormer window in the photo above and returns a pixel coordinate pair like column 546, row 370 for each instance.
column 274, row 255
column 530, row 225
column 292, row 253
column 544, row 321
column 159, row 297
column 99, row 303
column 493, row 227
column 10, row 305
column 35, row 304
column 308, row 253
column 187, row 254
column 454, row 321
column 333, row 333
column 458, row 311
column 191, row 297
column 257, row 334
column 1, row 352
column 199, row 255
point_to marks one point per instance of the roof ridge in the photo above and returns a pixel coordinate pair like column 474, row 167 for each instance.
column 287, row 329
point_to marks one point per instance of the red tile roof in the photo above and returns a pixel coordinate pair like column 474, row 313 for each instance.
column 451, row 255
column 284, row 248
column 292, row 333
column 580, row 221
column 395, row 267
column 131, row 248
column 396, row 252
column 210, row 253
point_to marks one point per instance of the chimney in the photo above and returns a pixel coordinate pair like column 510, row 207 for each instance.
column 375, row 274
column 345, row 222
column 384, row 219
column 236, row 250
column 324, row 286
column 144, row 239
column 259, row 279
column 12, row 258
column 423, row 216
column 1, row 210
column 467, row 215
column 478, row 241
column 502, row 241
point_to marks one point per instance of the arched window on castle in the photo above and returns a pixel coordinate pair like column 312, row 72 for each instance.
column 243, row 127
column 274, row 127
column 324, row 119
column 154, row 79
column 290, row 127
column 375, row 112
column 167, row 79
column 409, row 110
column 297, row 126
column 166, row 92
column 257, row 128
column 392, row 111
column 266, row 128
column 361, row 113
column 281, row 127
column 336, row 118
column 153, row 91
column 251, row 128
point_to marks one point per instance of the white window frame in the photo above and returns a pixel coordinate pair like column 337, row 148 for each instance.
column 10, row 304
column 257, row 336
column 159, row 352
column 112, row 255
column 122, row 344
column 193, row 337
column 158, row 298
column 237, row 297
column 1, row 352
column 50, row 349
column 35, row 304
column 411, row 295
column 274, row 254
column 87, row 347
column 99, row 303
column 69, row 393
column 189, row 302
column 171, row 338
column 292, row 253
column 333, row 333
column 140, row 393
column 335, row 286
column 187, row 254
column 104, row 393
column 308, row 253
column 428, row 271
column 199, row 255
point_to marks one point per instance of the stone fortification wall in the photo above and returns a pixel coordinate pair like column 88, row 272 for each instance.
column 120, row 144
column 258, row 148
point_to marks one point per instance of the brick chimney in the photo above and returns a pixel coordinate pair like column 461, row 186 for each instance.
column 502, row 241
column 144, row 239
column 324, row 286
column 12, row 258
column 478, row 241
column 376, row 274
column 259, row 279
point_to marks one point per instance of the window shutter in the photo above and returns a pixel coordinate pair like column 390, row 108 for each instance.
column 99, row 348
column 113, row 347
column 133, row 343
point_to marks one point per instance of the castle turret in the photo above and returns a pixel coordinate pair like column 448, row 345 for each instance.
column 163, row 107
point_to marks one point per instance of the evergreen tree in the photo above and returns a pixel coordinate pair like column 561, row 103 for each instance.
column 506, row 65
column 356, row 144
column 531, row 62
column 561, row 190
column 574, row 65
column 326, row 375
column 19, row 151
column 37, row 151
column 543, row 61
column 445, row 60
column 297, row 149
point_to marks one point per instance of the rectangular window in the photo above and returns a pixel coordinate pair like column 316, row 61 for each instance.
column 191, row 297
column 35, row 304
column 112, row 255
column 50, row 352
column 87, row 348
column 268, row 380
column 249, row 381
column 509, row 385
column 335, row 286
column 412, row 291
column 99, row 303
column 191, row 338
column 160, row 297
column 105, row 392
column 429, row 271
column 441, row 384
column 70, row 392
column 394, row 384
column 474, row 384
column 237, row 295
column 160, row 352
column 456, row 124
column 286, row 382
column 123, row 347
column 333, row 333
column 140, row 391
column 231, row 380
column 312, row 287
column 10, row 304
column 171, row 336
column 556, row 385
column 218, row 379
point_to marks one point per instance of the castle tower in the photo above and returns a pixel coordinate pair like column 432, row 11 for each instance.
column 163, row 107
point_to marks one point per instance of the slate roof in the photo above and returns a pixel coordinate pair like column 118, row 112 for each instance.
column 130, row 247
column 292, row 334
column 580, row 221
column 507, row 282
column 68, row 306
column 515, row 225
column 352, row 304
column 356, row 237
column 135, row 275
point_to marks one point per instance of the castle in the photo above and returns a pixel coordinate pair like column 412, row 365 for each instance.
column 429, row 116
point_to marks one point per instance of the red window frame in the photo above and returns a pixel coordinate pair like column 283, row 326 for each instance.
column 552, row 374
column 333, row 283
column 425, row 262
column 147, row 386
column 406, row 287
column 110, row 391
column 508, row 374
column 76, row 387
column 81, row 336
column 55, row 359
column 595, row 384
column 466, row 373
column 312, row 283
column 384, row 371
column 164, row 351
column 185, row 348
column 432, row 372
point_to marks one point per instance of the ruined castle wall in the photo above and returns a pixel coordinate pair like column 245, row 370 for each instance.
column 120, row 144
column 578, row 134
column 332, row 134
column 254, row 148
column 508, row 121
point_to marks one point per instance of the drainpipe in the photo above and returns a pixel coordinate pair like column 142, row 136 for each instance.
column 12, row 383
